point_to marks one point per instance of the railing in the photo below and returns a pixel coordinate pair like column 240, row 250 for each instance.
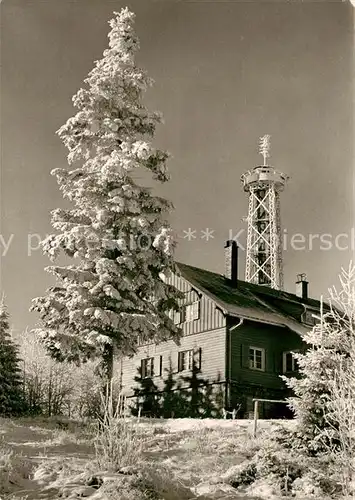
column 256, row 405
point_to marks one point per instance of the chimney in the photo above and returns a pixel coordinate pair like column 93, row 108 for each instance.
column 302, row 286
column 231, row 261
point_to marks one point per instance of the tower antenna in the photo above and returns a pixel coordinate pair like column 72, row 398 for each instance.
column 264, row 246
column 264, row 147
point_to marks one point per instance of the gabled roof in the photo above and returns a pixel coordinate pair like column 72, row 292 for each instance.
column 250, row 301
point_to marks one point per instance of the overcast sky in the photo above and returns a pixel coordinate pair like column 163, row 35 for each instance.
column 226, row 73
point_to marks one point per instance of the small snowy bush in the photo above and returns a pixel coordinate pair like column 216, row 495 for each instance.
column 117, row 441
column 277, row 470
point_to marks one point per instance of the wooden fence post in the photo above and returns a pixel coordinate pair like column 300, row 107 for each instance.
column 255, row 416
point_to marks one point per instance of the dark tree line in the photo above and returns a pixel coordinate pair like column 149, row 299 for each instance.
column 190, row 396
column 11, row 392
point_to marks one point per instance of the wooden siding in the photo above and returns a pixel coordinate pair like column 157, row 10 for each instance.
column 275, row 341
column 212, row 344
column 210, row 317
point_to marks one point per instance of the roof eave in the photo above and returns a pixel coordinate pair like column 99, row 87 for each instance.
column 283, row 321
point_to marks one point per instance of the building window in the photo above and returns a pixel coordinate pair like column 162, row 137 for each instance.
column 257, row 358
column 186, row 360
column 289, row 362
column 175, row 316
column 309, row 318
column 147, row 367
column 192, row 311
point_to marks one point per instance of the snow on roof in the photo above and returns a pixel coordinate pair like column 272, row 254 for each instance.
column 250, row 301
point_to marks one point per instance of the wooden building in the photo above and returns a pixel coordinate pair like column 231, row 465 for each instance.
column 240, row 336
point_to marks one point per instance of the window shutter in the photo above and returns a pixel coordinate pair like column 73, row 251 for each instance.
column 143, row 369
column 179, row 362
column 265, row 363
column 198, row 358
column 196, row 309
column 244, row 356
column 160, row 366
column 182, row 314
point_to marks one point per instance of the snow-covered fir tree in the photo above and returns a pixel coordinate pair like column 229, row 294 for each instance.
column 327, row 371
column 117, row 232
column 11, row 397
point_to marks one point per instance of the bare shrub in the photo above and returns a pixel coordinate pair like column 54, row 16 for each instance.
column 117, row 442
column 53, row 388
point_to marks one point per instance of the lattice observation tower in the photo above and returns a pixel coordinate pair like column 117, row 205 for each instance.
column 264, row 243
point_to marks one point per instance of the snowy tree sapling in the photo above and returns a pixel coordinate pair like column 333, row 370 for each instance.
column 11, row 396
column 323, row 394
column 117, row 231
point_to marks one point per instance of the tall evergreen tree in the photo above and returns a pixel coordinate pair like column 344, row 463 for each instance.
column 117, row 231
column 11, row 396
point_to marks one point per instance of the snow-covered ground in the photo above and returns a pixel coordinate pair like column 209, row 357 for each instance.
column 191, row 424
column 182, row 459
